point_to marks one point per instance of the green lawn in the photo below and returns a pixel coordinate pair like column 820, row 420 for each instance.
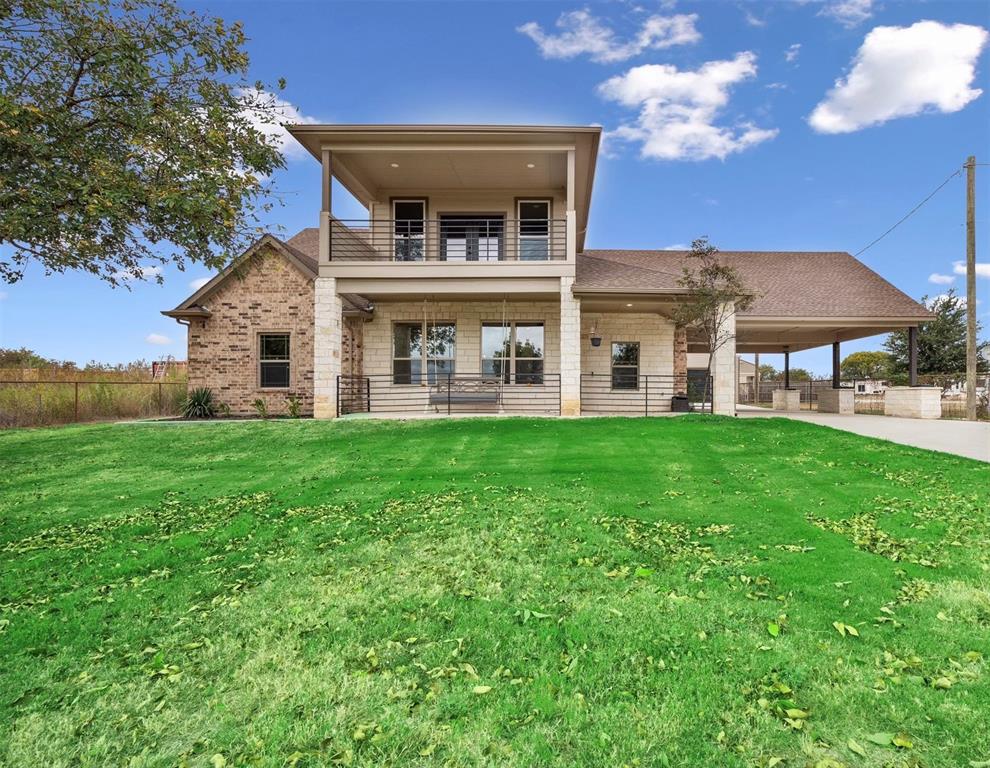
column 617, row 592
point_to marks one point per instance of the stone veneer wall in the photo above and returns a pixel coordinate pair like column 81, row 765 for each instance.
column 268, row 295
column 654, row 333
column 468, row 316
column 680, row 359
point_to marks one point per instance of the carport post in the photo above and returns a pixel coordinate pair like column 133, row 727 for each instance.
column 913, row 356
column 835, row 365
column 787, row 369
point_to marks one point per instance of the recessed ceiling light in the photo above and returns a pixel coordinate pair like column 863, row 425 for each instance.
column 394, row 165
column 530, row 165
column 628, row 305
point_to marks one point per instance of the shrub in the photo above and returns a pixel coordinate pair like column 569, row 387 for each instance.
column 293, row 406
column 199, row 404
column 260, row 407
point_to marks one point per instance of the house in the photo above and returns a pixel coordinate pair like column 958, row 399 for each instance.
column 468, row 288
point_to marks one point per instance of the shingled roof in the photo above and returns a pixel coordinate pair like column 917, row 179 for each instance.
column 786, row 283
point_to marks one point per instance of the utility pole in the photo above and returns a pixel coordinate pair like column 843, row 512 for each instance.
column 971, row 288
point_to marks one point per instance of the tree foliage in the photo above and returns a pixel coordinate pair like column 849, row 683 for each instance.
column 717, row 293
column 128, row 134
column 941, row 341
column 866, row 365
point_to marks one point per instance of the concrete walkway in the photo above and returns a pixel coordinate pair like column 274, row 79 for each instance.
column 963, row 438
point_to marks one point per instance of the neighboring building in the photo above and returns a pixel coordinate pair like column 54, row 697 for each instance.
column 469, row 288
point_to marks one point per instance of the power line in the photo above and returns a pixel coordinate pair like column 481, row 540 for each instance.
column 911, row 213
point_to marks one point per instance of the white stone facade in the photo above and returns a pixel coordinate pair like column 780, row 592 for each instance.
column 786, row 400
column 913, row 402
column 327, row 348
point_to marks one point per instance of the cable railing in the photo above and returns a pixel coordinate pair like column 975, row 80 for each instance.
column 456, row 239
column 629, row 394
column 448, row 393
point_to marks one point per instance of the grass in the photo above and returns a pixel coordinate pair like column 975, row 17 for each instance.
column 618, row 592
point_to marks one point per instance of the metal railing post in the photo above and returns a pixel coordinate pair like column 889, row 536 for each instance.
column 448, row 394
column 646, row 410
column 338, row 395
column 367, row 382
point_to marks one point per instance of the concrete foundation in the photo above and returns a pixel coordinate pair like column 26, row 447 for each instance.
column 786, row 400
column 913, row 402
column 836, row 401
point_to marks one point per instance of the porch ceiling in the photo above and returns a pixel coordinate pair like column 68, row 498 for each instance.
column 781, row 334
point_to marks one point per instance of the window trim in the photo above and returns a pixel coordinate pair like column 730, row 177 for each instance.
column 613, row 366
column 426, row 217
column 424, row 356
column 519, row 235
column 512, row 375
column 261, row 360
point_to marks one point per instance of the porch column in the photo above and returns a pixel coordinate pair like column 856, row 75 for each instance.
column 836, row 366
column 680, row 359
column 570, row 213
column 570, row 350
column 326, row 348
column 787, row 369
column 913, row 356
column 325, row 206
column 724, row 368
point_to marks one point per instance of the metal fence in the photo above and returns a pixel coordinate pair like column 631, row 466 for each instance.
column 640, row 394
column 872, row 400
column 450, row 394
column 44, row 403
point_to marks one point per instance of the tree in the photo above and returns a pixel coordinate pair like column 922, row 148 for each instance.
column 717, row 292
column 866, row 365
column 768, row 372
column 128, row 135
column 941, row 341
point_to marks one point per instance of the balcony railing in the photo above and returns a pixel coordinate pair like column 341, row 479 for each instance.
column 449, row 238
column 623, row 394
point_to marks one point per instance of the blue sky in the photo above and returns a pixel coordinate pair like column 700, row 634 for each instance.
column 708, row 108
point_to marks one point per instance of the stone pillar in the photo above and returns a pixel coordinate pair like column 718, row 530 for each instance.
column 724, row 379
column 836, row 400
column 787, row 400
column 913, row 402
column 570, row 350
column 680, row 359
column 327, row 348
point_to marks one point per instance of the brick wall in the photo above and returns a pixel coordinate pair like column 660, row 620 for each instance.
column 270, row 295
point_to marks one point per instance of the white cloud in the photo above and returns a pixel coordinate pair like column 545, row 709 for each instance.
column 199, row 282
column 792, row 52
column 849, row 13
column 934, row 301
column 753, row 20
column 902, row 71
column 143, row 273
column 678, row 109
column 285, row 114
column 676, row 247
column 157, row 339
column 982, row 268
column 582, row 33
column 938, row 279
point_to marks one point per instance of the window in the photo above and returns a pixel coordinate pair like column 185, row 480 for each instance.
column 273, row 360
column 410, row 357
column 473, row 237
column 409, row 229
column 513, row 351
column 625, row 365
column 534, row 230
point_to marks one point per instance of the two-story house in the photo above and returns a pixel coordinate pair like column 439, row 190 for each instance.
column 468, row 288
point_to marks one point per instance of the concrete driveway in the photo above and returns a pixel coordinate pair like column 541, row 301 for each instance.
column 963, row 438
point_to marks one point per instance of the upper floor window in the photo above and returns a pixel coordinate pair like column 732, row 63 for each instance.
column 534, row 230
column 273, row 360
column 625, row 365
column 410, row 356
column 512, row 351
column 409, row 229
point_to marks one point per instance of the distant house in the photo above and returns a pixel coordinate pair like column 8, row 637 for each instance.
column 468, row 288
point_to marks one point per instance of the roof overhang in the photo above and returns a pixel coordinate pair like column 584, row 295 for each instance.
column 370, row 160
column 767, row 334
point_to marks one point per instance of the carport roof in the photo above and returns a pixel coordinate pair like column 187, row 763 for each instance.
column 792, row 284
